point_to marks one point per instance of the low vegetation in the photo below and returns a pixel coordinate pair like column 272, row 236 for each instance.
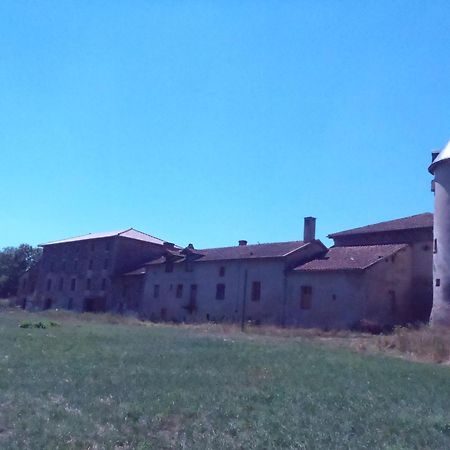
column 118, row 383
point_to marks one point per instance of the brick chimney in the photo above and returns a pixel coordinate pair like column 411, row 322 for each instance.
column 242, row 242
column 309, row 229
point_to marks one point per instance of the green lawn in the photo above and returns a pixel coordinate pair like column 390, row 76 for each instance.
column 91, row 384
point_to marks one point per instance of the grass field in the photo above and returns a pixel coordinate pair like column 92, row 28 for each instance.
column 88, row 383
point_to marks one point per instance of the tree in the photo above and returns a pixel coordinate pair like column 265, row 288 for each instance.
column 14, row 262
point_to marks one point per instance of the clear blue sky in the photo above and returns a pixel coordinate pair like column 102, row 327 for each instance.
column 209, row 121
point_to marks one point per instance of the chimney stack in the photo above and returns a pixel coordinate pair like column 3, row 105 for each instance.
column 309, row 230
column 242, row 242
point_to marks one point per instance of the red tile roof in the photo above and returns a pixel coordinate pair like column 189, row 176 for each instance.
column 271, row 250
column 130, row 233
column 256, row 251
column 418, row 221
column 350, row 258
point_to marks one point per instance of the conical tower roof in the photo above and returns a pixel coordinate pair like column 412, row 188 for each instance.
column 443, row 155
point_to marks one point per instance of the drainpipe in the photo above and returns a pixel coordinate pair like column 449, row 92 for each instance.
column 283, row 318
column 244, row 300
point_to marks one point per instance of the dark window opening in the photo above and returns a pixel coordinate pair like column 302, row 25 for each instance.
column 392, row 302
column 63, row 265
column 438, row 282
column 220, row 291
column 73, row 284
column 91, row 264
column 70, row 303
column 104, row 283
column 61, row 284
column 435, row 246
column 334, row 297
column 179, row 292
column 49, row 284
column 48, row 303
column 106, row 264
column 222, row 271
column 88, row 283
column 256, row 291
column 163, row 313
column 75, row 264
column 306, row 297
column 193, row 293
column 207, row 316
column 156, row 291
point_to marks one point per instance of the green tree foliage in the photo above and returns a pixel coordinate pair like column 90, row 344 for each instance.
column 14, row 262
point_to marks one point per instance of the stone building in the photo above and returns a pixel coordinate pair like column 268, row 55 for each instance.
column 78, row 273
column 379, row 273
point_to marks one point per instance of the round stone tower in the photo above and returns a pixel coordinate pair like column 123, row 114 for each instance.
column 440, row 168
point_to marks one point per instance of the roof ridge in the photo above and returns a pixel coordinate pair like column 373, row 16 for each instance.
column 364, row 227
column 252, row 245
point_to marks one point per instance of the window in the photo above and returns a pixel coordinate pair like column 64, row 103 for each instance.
column 435, row 246
column 179, row 292
column 438, row 282
column 392, row 302
column 193, row 293
column 75, row 264
column 63, row 265
column 334, row 297
column 222, row 272
column 220, row 291
column 107, row 246
column 49, row 284
column 88, row 284
column 169, row 266
column 52, row 265
column 91, row 264
column 105, row 264
column 306, row 297
column 156, row 291
column 73, row 284
column 256, row 291
column 104, row 283
column 61, row 283
column 70, row 303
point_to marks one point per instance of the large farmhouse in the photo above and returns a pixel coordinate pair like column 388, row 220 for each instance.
column 380, row 273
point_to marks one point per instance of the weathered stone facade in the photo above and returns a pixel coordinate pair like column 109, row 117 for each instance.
column 380, row 273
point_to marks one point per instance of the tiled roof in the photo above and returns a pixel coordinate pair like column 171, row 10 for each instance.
column 350, row 258
column 418, row 221
column 271, row 250
column 130, row 233
column 256, row 251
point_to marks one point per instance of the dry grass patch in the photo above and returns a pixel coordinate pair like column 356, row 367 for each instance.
column 425, row 343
